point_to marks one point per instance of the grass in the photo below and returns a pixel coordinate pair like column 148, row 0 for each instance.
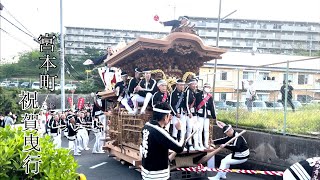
column 305, row 121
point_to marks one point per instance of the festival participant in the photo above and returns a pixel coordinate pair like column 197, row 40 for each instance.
column 177, row 104
column 183, row 21
column 64, row 124
column 82, row 135
column 162, row 94
column 97, row 128
column 55, row 130
column 133, row 83
column 205, row 110
column 72, row 134
column 308, row 169
column 190, row 102
column 121, row 90
column 156, row 142
column 239, row 147
column 42, row 122
column 145, row 90
column 88, row 120
column 100, row 60
column 98, row 110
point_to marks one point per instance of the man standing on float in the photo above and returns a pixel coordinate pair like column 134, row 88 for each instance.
column 205, row 110
column 190, row 97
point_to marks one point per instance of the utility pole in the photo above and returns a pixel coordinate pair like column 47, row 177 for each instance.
column 217, row 45
column 62, row 59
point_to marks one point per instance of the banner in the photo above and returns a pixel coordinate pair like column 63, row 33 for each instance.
column 80, row 103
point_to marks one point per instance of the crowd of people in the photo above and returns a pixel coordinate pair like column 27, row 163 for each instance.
column 8, row 119
column 76, row 126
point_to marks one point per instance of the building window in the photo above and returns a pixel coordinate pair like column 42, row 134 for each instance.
column 277, row 26
column 263, row 97
column 236, row 42
column 302, row 79
column 248, row 75
column 223, row 76
column 249, row 43
column 236, row 25
column 263, row 76
column 290, row 77
column 223, row 96
column 201, row 23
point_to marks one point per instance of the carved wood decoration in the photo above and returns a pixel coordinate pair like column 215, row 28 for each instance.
column 176, row 54
column 186, row 29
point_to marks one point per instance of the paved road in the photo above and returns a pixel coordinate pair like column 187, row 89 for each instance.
column 102, row 167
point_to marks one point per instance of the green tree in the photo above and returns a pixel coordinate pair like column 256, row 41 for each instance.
column 55, row 164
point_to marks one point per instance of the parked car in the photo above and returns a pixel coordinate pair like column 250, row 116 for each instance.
column 315, row 102
column 35, row 85
column 25, row 85
column 221, row 105
column 6, row 83
column 70, row 87
column 233, row 104
column 271, row 105
column 259, row 105
column 57, row 87
column 3, row 84
column 296, row 104
column 13, row 85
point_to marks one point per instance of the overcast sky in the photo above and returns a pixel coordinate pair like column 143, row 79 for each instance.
column 41, row 16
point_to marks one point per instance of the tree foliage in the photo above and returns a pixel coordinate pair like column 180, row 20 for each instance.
column 56, row 163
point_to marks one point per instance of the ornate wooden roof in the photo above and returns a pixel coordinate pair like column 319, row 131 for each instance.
column 175, row 54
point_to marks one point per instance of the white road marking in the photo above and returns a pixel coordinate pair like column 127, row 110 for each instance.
column 95, row 166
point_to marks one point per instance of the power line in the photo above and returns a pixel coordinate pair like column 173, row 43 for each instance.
column 16, row 38
column 16, row 26
column 18, row 21
column 74, row 69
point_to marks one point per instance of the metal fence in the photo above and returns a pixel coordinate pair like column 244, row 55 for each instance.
column 286, row 96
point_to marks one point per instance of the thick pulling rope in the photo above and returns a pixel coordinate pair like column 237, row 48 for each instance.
column 201, row 168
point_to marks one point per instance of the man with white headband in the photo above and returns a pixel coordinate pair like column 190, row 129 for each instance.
column 178, row 107
column 239, row 147
column 162, row 94
column 156, row 142
column 190, row 97
column 145, row 90
column 205, row 110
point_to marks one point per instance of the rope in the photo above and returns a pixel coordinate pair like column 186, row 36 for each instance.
column 201, row 168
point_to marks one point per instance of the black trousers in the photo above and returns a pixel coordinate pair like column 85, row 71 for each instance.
column 289, row 101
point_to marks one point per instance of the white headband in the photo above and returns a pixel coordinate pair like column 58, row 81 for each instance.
column 161, row 110
column 229, row 127
column 161, row 82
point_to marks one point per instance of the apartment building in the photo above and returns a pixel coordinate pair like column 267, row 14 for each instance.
column 240, row 35
column 268, row 72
